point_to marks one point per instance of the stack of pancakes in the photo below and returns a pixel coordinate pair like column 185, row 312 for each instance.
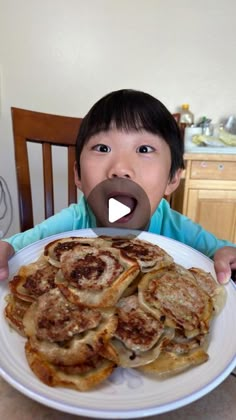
column 88, row 305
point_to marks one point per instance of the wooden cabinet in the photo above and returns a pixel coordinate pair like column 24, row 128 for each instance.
column 209, row 196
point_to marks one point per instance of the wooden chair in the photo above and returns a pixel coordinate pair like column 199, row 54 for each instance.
column 176, row 116
column 48, row 130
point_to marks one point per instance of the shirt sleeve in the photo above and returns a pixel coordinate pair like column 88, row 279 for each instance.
column 66, row 220
column 179, row 227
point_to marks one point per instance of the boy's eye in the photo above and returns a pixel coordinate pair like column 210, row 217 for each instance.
column 102, row 148
column 145, row 149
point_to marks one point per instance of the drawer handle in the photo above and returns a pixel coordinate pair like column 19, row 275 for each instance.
column 221, row 166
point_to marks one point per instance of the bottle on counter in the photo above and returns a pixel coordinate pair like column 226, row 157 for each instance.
column 206, row 126
column 186, row 117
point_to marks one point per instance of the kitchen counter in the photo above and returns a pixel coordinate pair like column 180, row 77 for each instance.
column 211, row 150
column 217, row 405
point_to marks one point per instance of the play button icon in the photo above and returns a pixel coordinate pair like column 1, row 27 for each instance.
column 119, row 203
column 116, row 210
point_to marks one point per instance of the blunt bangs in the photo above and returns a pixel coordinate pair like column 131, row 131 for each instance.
column 131, row 110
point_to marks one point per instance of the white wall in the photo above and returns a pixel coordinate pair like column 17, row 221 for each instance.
column 60, row 56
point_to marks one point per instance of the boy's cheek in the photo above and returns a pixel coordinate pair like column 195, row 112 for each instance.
column 86, row 183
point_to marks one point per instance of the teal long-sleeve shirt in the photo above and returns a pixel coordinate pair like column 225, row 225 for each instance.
column 165, row 222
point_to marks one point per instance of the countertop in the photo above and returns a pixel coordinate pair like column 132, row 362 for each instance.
column 217, row 405
column 211, row 150
column 212, row 155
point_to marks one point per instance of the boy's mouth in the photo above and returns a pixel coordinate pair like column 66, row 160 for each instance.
column 127, row 200
column 125, row 192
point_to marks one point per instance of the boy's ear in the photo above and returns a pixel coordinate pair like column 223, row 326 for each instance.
column 76, row 176
column 173, row 182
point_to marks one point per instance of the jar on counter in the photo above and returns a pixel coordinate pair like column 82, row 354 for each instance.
column 186, row 117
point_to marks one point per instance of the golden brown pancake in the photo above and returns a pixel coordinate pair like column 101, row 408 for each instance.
column 15, row 311
column 65, row 333
column 95, row 277
column 216, row 291
column 139, row 336
column 177, row 298
column 33, row 280
column 149, row 256
column 55, row 249
column 170, row 363
column 81, row 377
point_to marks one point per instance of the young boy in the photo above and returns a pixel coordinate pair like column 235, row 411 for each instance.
column 128, row 142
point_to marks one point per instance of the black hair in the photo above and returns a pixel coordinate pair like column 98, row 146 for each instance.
column 126, row 110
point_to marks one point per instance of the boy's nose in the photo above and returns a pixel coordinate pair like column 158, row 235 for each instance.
column 120, row 175
column 121, row 170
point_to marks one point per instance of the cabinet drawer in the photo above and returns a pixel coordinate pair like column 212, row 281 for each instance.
column 201, row 169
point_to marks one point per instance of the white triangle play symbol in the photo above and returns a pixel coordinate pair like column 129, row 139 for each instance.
column 116, row 210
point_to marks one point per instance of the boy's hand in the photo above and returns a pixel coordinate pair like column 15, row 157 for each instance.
column 6, row 251
column 225, row 262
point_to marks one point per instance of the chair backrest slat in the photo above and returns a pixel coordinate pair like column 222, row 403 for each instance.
column 72, row 191
column 48, row 180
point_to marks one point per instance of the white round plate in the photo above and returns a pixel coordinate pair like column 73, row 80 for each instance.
column 127, row 393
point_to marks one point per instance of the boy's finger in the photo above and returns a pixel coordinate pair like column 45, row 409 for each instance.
column 4, row 273
column 6, row 251
column 223, row 271
column 224, row 263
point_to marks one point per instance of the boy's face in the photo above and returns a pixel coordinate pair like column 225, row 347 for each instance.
column 139, row 156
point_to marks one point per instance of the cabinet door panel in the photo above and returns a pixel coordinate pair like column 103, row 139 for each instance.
column 214, row 210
